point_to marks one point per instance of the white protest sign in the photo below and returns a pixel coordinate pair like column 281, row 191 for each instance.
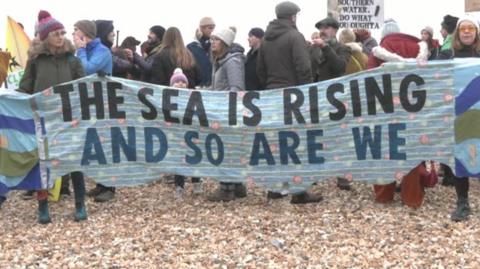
column 364, row 14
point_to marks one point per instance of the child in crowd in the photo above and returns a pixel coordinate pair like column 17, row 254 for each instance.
column 179, row 80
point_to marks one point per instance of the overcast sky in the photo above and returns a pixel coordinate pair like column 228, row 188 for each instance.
column 136, row 17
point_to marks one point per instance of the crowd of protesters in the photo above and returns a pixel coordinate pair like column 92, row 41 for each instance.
column 214, row 61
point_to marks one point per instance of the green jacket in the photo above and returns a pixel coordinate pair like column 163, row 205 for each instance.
column 45, row 70
column 447, row 43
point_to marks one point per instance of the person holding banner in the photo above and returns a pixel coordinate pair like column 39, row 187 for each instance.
column 465, row 43
column 52, row 61
column 228, row 74
column 152, row 47
column 292, row 69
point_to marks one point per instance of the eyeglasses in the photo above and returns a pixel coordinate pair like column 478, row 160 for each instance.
column 58, row 33
column 467, row 28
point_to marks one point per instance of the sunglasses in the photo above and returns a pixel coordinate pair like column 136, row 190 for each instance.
column 467, row 28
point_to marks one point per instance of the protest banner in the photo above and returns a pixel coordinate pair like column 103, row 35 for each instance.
column 373, row 126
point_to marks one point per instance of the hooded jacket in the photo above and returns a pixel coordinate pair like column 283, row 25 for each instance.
column 45, row 70
column 228, row 73
column 283, row 58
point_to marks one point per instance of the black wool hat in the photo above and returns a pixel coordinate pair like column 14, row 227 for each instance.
column 449, row 23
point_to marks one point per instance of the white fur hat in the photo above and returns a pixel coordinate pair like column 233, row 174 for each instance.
column 226, row 35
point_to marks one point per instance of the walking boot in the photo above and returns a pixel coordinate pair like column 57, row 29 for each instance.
column 80, row 211
column 462, row 211
column 43, row 214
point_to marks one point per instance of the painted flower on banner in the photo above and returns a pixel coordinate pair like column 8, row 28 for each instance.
column 74, row 123
column 399, row 176
column 411, row 116
column 216, row 126
column 336, row 158
column 121, row 121
column 114, row 178
column 343, row 126
column 448, row 97
column 55, row 162
column 273, row 148
column 360, row 120
column 446, row 119
column 348, row 176
column 437, row 76
column 424, row 139
column 396, row 100
column 241, row 94
column 243, row 161
column 297, row 180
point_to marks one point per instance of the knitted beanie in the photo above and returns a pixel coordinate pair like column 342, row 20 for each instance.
column 47, row 24
column 178, row 76
column 226, row 35
column 89, row 28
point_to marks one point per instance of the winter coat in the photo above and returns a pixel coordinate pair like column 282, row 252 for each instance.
column 463, row 53
column 163, row 66
column 330, row 61
column 283, row 58
column 447, row 43
column 398, row 47
column 145, row 65
column 228, row 73
column 44, row 70
column 200, row 50
column 96, row 57
column 358, row 61
column 251, row 79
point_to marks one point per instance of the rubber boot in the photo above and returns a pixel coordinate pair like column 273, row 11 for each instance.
column 462, row 211
column 79, row 190
column 43, row 214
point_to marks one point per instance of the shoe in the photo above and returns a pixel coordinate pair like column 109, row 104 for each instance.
column 197, row 188
column 80, row 212
column 305, row 198
column 179, row 191
column 462, row 211
column 275, row 195
column 222, row 195
column 43, row 214
column 240, row 191
column 104, row 196
column 343, row 184
column 28, row 195
column 95, row 191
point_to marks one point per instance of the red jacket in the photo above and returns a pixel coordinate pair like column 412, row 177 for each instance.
column 404, row 45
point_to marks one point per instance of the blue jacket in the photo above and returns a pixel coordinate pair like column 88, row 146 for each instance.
column 96, row 57
column 202, row 58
